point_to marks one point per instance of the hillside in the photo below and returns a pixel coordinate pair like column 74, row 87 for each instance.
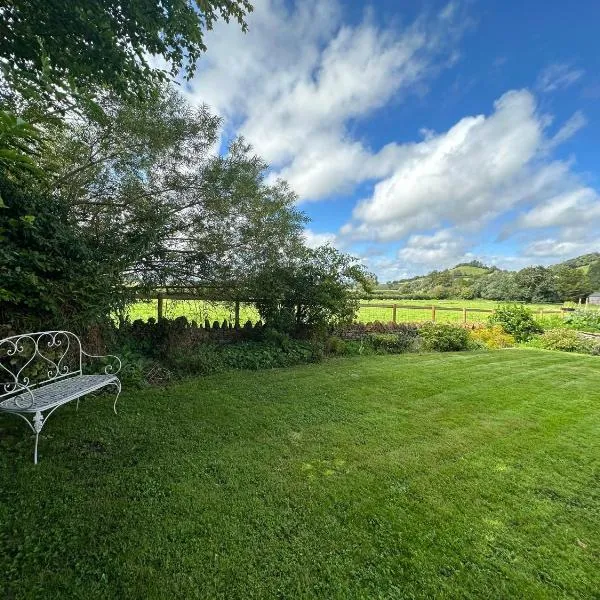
column 572, row 279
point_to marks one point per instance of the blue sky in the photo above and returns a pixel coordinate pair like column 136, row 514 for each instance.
column 421, row 134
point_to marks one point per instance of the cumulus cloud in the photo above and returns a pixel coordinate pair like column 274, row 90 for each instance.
column 461, row 175
column 558, row 76
column 313, row 239
column 438, row 250
column 554, row 249
column 482, row 167
column 572, row 208
column 295, row 82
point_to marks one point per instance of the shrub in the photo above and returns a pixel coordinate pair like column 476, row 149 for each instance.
column 588, row 320
column 565, row 340
column 443, row 337
column 492, row 336
column 517, row 320
column 391, row 343
column 209, row 358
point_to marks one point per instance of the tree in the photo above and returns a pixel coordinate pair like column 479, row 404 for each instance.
column 314, row 289
column 19, row 144
column 50, row 276
column 594, row 275
column 147, row 189
column 572, row 284
column 56, row 50
column 535, row 284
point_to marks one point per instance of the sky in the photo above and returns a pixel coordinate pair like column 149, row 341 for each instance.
column 421, row 134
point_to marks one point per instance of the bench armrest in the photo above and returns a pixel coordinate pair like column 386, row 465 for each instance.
column 113, row 367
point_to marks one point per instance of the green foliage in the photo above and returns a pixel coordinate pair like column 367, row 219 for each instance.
column 443, row 337
column 146, row 176
column 51, row 275
column 594, row 275
column 584, row 319
column 55, row 52
column 517, row 320
column 209, row 358
column 572, row 283
column 20, row 142
column 312, row 291
column 393, row 343
column 492, row 336
column 565, row 340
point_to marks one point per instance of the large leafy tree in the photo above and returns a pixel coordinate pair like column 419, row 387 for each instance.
column 572, row 284
column 55, row 49
column 594, row 275
column 50, row 275
column 147, row 188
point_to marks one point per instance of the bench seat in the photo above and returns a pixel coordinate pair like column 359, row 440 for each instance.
column 41, row 371
column 56, row 393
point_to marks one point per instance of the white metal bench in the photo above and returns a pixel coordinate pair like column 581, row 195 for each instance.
column 44, row 370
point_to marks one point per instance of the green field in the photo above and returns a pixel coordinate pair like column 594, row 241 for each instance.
column 196, row 310
column 446, row 316
column 199, row 310
column 469, row 475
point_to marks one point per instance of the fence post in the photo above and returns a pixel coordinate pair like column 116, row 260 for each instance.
column 160, row 306
column 465, row 315
column 394, row 308
column 237, row 314
column 433, row 313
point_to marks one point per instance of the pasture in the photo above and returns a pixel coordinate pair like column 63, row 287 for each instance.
column 199, row 310
column 414, row 476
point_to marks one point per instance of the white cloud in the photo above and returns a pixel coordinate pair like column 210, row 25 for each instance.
column 575, row 207
column 313, row 239
column 568, row 130
column 555, row 249
column 292, row 85
column 458, row 176
column 442, row 249
column 482, row 167
column 558, row 76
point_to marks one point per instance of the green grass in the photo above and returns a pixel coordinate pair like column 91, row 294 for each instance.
column 469, row 475
column 199, row 310
column 445, row 316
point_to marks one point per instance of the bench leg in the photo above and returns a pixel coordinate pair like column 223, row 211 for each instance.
column 118, row 384
column 38, row 423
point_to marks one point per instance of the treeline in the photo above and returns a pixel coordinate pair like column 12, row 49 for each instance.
column 573, row 280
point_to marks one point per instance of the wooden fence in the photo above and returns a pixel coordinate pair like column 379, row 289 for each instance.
column 433, row 311
column 396, row 313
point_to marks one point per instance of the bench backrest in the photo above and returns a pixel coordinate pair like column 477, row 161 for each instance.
column 30, row 360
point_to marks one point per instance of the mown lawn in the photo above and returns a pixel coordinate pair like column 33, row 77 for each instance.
column 472, row 475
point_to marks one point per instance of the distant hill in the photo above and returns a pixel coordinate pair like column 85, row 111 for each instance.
column 585, row 260
column 572, row 279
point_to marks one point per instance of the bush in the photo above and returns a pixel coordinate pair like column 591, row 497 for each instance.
column 565, row 340
column 517, row 320
column 443, row 337
column 391, row 343
column 209, row 358
column 492, row 336
column 588, row 320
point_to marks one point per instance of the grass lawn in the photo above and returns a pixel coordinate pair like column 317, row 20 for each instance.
column 470, row 475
